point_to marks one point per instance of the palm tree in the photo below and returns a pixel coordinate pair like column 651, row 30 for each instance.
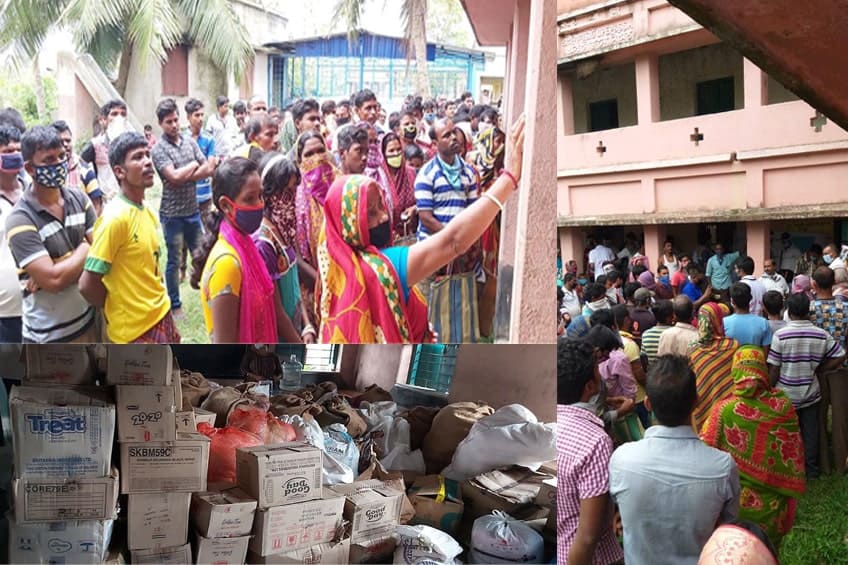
column 414, row 14
column 113, row 30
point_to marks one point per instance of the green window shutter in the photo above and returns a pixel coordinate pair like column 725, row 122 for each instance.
column 433, row 366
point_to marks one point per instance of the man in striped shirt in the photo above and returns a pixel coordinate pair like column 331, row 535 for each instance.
column 49, row 232
column 799, row 353
column 584, row 510
column 663, row 312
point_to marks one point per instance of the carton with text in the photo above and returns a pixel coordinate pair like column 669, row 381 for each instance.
column 134, row 364
column 177, row 466
column 372, row 507
column 180, row 554
column 281, row 473
column 223, row 514
column 61, row 433
column 201, row 415
column 157, row 520
column 78, row 542
column 220, row 551
column 186, row 422
column 329, row 553
column 58, row 364
column 58, row 500
column 146, row 413
column 373, row 550
column 283, row 529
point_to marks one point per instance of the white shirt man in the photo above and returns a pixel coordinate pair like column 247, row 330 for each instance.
column 598, row 256
column 789, row 254
column 772, row 280
column 836, row 261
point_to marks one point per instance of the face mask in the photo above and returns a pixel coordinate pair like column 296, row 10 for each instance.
column 116, row 127
column 827, row 259
column 11, row 162
column 665, row 281
column 410, row 131
column 52, row 176
column 246, row 219
column 380, row 235
column 342, row 121
column 484, row 126
column 395, row 162
column 429, row 118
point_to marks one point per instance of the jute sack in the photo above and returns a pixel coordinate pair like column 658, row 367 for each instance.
column 450, row 426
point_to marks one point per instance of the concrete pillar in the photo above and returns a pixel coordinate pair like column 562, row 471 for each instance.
column 756, row 85
column 571, row 246
column 565, row 106
column 654, row 238
column 759, row 243
column 516, row 69
column 535, row 267
column 648, row 89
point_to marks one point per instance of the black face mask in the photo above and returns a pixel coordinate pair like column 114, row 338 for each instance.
column 342, row 121
column 380, row 235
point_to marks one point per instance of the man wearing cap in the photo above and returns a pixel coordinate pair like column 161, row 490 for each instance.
column 641, row 315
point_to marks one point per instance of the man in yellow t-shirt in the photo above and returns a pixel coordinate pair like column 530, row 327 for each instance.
column 122, row 268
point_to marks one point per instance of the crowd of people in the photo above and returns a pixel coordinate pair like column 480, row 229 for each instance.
column 325, row 222
column 697, row 386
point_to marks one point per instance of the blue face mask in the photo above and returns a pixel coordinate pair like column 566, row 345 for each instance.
column 827, row 259
column 665, row 281
column 429, row 118
column 52, row 176
column 11, row 162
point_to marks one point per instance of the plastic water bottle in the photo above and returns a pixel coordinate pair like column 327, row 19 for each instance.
column 292, row 370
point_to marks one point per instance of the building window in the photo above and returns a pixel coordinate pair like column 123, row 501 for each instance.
column 603, row 115
column 433, row 366
column 175, row 72
column 714, row 96
column 315, row 358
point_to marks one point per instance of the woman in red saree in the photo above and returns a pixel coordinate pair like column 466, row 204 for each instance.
column 712, row 360
column 366, row 291
column 398, row 178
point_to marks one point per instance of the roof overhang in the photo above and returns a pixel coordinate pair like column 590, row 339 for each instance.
column 799, row 44
column 491, row 20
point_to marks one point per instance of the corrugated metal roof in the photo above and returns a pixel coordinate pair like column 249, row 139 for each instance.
column 369, row 45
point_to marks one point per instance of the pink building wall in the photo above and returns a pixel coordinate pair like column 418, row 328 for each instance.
column 754, row 165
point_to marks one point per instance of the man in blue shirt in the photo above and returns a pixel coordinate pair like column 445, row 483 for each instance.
column 692, row 287
column 669, row 473
column 744, row 327
column 719, row 267
column 206, row 143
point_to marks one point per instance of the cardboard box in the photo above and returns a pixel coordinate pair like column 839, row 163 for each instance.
column 223, row 514
column 330, row 553
column 220, row 551
column 59, row 542
column 177, row 466
column 146, row 413
column 177, row 555
column 283, row 529
column 157, row 520
column 375, row 550
column 134, row 364
column 59, row 364
column 58, row 500
column 372, row 507
column 281, row 473
column 504, row 489
column 547, row 493
column 61, row 432
column 186, row 422
column 437, row 502
column 201, row 415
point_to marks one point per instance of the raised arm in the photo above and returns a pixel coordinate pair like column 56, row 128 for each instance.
column 428, row 256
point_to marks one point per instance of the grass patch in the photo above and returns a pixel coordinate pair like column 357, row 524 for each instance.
column 191, row 325
column 820, row 533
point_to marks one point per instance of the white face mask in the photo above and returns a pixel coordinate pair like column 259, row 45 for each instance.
column 116, row 127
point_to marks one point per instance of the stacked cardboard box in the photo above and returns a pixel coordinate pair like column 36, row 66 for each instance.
column 161, row 467
column 64, row 488
column 295, row 517
column 373, row 509
column 222, row 525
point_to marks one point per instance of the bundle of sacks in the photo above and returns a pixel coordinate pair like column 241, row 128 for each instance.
column 370, row 436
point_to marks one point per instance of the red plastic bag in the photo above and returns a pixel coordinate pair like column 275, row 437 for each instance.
column 222, row 451
column 262, row 424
